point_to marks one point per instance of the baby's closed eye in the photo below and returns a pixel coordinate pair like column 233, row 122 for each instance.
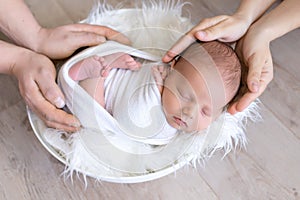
column 206, row 111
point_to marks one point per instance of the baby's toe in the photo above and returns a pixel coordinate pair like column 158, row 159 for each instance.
column 128, row 58
column 133, row 65
column 105, row 72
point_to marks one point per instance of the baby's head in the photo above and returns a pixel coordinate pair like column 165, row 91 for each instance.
column 203, row 80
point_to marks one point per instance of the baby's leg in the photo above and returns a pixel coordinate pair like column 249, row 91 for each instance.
column 95, row 88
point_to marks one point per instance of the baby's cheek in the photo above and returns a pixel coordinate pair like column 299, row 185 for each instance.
column 203, row 123
column 198, row 123
column 169, row 101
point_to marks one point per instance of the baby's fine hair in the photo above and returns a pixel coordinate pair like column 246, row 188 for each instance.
column 226, row 62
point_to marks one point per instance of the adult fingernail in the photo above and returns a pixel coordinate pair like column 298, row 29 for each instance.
column 201, row 34
column 255, row 87
column 75, row 124
column 59, row 102
column 166, row 58
column 101, row 39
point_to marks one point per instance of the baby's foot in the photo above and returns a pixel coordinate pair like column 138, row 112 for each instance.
column 96, row 66
column 119, row 60
column 90, row 67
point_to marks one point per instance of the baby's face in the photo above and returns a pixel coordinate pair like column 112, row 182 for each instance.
column 186, row 99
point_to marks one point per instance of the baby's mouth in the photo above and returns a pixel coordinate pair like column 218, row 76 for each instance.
column 180, row 122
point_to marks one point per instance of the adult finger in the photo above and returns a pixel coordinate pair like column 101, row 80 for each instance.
column 50, row 90
column 104, row 31
column 239, row 49
column 247, row 99
column 256, row 62
column 212, row 30
column 242, row 103
column 191, row 37
column 52, row 116
column 208, row 22
column 82, row 39
column 179, row 46
column 59, row 122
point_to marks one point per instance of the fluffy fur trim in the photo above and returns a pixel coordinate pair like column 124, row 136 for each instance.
column 156, row 21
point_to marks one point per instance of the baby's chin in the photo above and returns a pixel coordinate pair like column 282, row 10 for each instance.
column 191, row 130
column 194, row 130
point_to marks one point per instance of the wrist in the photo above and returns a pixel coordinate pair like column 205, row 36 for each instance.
column 22, row 56
column 251, row 10
column 12, row 58
column 263, row 30
column 261, row 34
column 247, row 19
column 246, row 14
column 37, row 41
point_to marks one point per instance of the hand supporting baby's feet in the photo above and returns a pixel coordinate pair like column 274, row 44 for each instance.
column 96, row 66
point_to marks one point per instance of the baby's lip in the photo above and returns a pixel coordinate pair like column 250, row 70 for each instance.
column 179, row 122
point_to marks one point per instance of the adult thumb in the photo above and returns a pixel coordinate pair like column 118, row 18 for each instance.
column 255, row 64
column 209, row 34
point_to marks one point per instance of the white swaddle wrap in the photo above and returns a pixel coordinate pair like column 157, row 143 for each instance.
column 105, row 149
column 133, row 103
column 134, row 100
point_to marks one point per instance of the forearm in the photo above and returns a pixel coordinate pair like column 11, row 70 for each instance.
column 281, row 20
column 10, row 57
column 18, row 23
column 253, row 9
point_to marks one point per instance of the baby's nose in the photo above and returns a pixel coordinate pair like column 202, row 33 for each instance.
column 189, row 111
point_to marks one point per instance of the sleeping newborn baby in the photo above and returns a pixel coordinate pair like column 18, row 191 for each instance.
column 189, row 94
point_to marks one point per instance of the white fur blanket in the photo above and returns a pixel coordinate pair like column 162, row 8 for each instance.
column 153, row 28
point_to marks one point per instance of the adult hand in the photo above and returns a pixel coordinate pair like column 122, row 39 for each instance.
column 223, row 28
column 254, row 51
column 62, row 41
column 36, row 76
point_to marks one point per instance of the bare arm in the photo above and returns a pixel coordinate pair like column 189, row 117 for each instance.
column 281, row 20
column 7, row 60
column 253, row 9
column 18, row 23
